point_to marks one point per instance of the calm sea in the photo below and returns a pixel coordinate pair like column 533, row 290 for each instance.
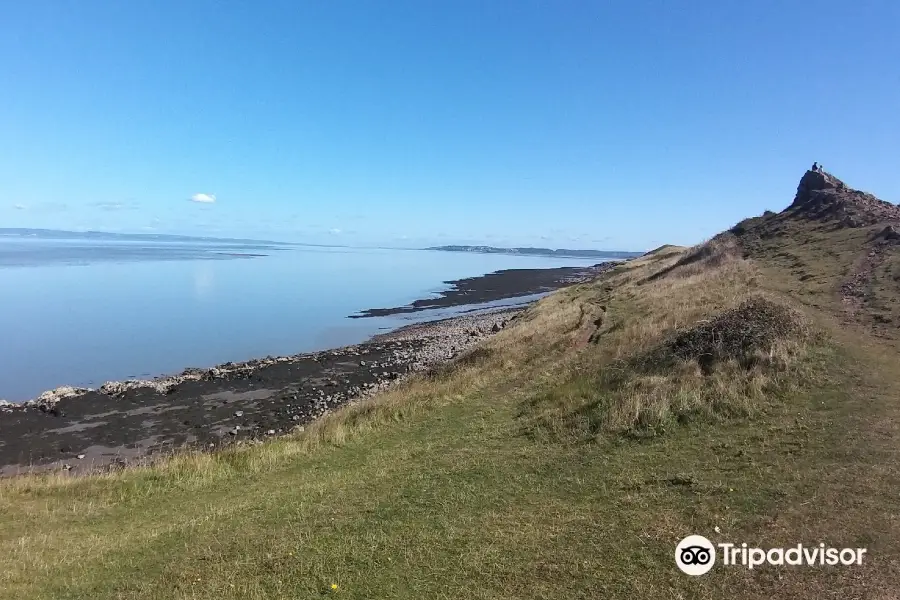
column 82, row 313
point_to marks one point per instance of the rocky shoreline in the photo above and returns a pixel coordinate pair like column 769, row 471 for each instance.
column 129, row 422
column 79, row 430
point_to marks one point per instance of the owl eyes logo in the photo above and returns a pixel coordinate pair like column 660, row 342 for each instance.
column 695, row 555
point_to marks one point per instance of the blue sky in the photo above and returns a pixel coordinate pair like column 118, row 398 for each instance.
column 615, row 125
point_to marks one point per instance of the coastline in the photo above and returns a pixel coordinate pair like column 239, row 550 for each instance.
column 499, row 285
column 131, row 422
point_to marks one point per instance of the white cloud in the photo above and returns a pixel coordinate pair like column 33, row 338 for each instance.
column 203, row 198
column 334, row 231
column 19, row 206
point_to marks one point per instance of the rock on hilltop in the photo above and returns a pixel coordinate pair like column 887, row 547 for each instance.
column 822, row 196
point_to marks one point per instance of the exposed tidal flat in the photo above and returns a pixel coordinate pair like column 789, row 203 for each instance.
column 102, row 335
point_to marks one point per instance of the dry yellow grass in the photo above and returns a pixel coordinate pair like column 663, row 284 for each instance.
column 629, row 381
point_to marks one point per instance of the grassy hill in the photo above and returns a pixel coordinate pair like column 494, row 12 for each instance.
column 745, row 389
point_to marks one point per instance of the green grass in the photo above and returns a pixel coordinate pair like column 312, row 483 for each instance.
column 520, row 472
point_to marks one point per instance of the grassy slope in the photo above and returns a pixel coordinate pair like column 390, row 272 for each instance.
column 546, row 465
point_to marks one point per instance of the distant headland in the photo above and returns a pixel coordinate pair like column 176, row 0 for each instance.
column 529, row 251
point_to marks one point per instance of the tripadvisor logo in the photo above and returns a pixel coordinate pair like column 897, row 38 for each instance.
column 696, row 555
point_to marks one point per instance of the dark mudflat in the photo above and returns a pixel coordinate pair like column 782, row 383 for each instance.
column 203, row 408
column 500, row 285
column 264, row 401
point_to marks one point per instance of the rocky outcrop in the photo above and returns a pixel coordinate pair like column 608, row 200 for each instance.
column 48, row 400
column 822, row 196
column 890, row 233
column 813, row 182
